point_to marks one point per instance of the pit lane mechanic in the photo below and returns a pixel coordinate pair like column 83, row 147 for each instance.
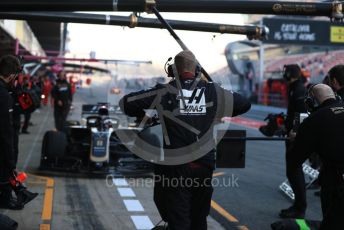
column 322, row 133
column 184, row 207
column 9, row 69
column 296, row 93
column 62, row 95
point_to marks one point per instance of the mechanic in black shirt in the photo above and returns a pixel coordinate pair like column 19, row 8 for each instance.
column 296, row 93
column 184, row 207
column 322, row 132
column 9, row 69
column 17, row 111
column 62, row 95
column 336, row 80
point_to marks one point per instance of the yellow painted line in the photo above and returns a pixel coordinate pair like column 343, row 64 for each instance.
column 50, row 182
column 218, row 174
column 44, row 227
column 48, row 204
column 47, row 209
column 223, row 212
column 226, row 214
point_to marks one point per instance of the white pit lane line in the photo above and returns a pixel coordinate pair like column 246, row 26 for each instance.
column 126, row 192
column 142, row 222
column 120, row 182
column 133, row 206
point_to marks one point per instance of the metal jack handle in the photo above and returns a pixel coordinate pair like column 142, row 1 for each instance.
column 174, row 35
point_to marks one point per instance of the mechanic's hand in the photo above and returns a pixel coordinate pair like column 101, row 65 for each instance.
column 148, row 120
column 292, row 135
column 60, row 103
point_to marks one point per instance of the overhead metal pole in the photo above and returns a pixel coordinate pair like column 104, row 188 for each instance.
column 176, row 37
column 329, row 9
column 252, row 31
column 63, row 59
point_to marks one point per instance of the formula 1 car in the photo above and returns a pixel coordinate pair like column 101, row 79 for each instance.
column 91, row 146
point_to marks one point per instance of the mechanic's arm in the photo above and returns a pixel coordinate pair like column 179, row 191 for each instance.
column 240, row 104
column 134, row 104
column 304, row 145
column 6, row 132
column 295, row 105
column 299, row 101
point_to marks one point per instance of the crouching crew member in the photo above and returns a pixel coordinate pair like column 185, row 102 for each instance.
column 322, row 133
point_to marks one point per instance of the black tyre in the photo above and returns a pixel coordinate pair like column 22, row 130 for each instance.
column 53, row 147
column 7, row 223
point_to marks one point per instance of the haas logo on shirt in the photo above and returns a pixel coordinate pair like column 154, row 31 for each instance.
column 194, row 102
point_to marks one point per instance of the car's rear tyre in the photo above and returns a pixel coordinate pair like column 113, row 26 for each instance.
column 7, row 223
column 53, row 147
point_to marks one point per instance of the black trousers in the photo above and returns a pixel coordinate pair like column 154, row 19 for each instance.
column 16, row 130
column 183, row 196
column 332, row 204
column 60, row 116
column 27, row 117
column 296, row 180
column 5, row 188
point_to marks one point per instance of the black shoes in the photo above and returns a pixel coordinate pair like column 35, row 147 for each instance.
column 24, row 196
column 25, row 132
column 11, row 204
column 292, row 213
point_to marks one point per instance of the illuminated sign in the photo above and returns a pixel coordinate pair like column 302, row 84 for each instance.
column 337, row 34
column 303, row 32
